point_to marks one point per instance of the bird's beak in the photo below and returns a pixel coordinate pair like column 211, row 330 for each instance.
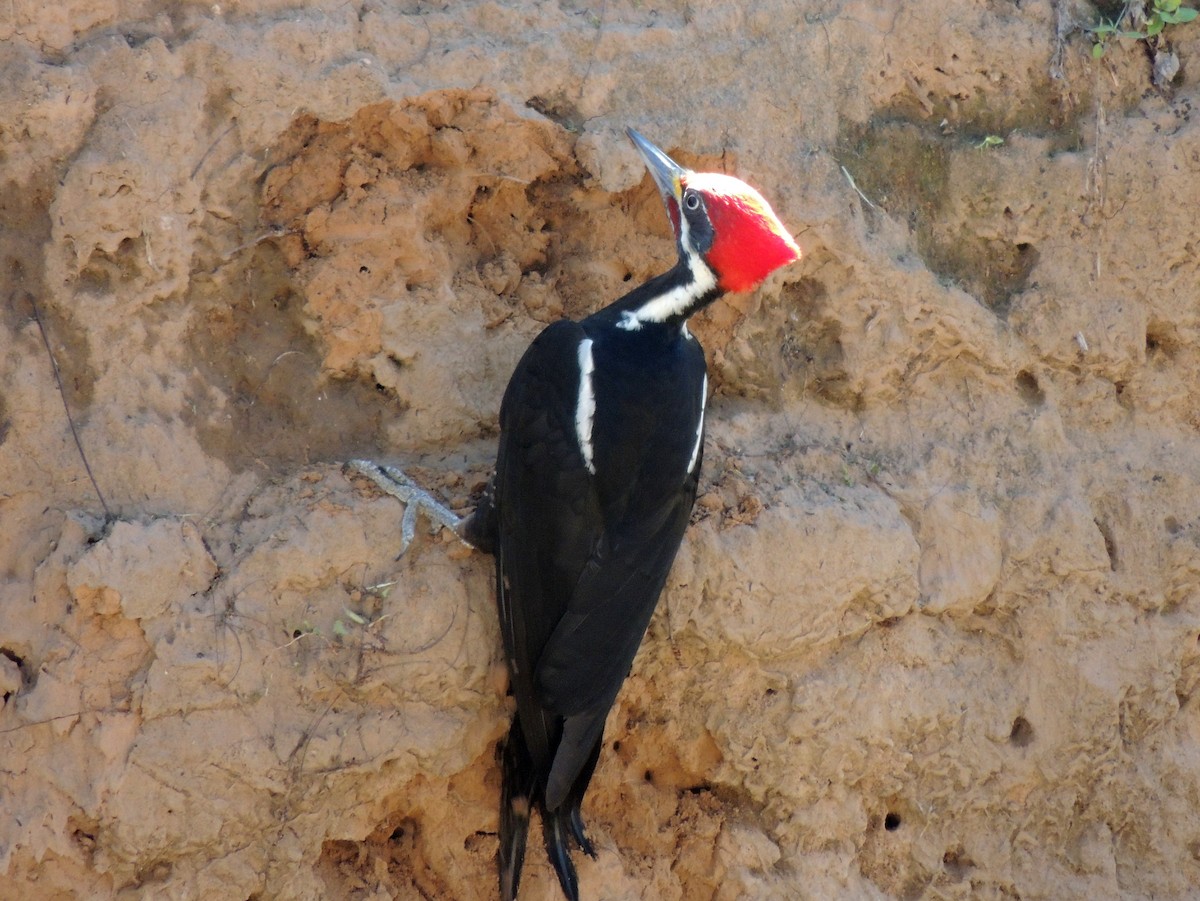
column 666, row 172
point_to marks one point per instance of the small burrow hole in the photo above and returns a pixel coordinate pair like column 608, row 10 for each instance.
column 956, row 863
column 1021, row 734
column 20, row 664
column 477, row 840
column 1162, row 339
column 1027, row 386
column 891, row 822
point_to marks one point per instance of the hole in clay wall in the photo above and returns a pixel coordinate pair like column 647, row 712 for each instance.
column 1029, row 388
column 1022, row 733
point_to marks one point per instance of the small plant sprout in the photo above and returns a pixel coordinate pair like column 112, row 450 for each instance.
column 1148, row 21
column 989, row 141
column 1105, row 32
column 1168, row 12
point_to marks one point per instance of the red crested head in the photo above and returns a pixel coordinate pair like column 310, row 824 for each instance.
column 748, row 241
column 720, row 219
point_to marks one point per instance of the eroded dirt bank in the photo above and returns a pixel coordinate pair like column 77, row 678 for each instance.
column 934, row 631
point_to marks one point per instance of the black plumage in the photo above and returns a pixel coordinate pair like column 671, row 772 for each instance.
column 582, row 557
column 601, row 444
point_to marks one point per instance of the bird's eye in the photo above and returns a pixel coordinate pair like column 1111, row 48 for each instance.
column 691, row 201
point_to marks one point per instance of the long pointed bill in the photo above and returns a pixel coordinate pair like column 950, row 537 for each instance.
column 667, row 173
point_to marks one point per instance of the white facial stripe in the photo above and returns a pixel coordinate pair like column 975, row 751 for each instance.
column 700, row 427
column 585, row 409
column 683, row 227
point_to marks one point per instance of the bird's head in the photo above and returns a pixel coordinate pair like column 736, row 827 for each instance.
column 720, row 218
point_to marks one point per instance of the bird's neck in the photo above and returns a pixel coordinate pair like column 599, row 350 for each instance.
column 668, row 299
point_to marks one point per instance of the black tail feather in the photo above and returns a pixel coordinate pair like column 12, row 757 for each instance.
column 575, row 822
column 574, row 801
column 518, row 783
column 555, row 825
column 522, row 789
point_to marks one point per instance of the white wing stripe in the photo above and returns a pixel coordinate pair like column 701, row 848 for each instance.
column 700, row 427
column 585, row 409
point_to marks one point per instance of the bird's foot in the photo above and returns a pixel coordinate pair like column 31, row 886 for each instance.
column 392, row 480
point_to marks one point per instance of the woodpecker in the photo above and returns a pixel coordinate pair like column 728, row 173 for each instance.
column 601, row 443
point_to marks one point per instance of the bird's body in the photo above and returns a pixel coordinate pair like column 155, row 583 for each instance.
column 601, row 443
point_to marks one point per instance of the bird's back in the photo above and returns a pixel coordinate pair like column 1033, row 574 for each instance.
column 595, row 481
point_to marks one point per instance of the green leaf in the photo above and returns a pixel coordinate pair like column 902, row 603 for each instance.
column 339, row 628
column 1154, row 26
column 1180, row 16
column 1097, row 51
column 1166, row 6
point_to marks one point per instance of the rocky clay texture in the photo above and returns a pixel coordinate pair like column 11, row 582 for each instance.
column 934, row 630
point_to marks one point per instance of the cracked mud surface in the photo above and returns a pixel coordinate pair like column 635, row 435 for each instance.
column 934, row 630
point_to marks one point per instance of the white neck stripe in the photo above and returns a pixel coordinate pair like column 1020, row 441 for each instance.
column 679, row 299
column 675, row 302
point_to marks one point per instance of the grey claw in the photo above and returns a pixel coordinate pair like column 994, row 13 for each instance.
column 395, row 482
